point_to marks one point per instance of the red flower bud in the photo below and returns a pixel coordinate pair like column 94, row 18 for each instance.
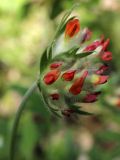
column 72, row 28
column 91, row 97
column 105, row 44
column 86, row 35
column 102, row 69
column 101, row 80
column 78, row 84
column 106, row 56
column 69, row 75
column 55, row 65
column 55, row 96
column 51, row 77
column 92, row 46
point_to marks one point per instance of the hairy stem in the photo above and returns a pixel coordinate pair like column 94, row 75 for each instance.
column 17, row 119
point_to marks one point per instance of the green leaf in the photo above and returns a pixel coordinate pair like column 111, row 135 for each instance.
column 49, row 51
column 73, row 50
column 74, row 107
column 46, row 57
column 55, row 113
column 83, row 113
column 70, row 52
column 84, row 54
column 43, row 61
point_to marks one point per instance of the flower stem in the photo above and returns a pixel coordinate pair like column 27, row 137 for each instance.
column 17, row 118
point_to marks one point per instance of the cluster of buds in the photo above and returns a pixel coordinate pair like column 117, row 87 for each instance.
column 75, row 71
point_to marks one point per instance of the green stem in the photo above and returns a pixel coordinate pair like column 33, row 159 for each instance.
column 17, row 118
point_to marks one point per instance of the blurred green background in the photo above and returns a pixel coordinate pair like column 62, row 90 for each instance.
column 26, row 27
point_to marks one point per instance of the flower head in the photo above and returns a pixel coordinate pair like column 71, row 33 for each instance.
column 74, row 75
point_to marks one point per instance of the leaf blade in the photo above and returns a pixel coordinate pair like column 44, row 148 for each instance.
column 84, row 113
column 84, row 54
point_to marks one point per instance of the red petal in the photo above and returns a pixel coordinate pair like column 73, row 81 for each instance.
column 102, row 80
column 92, row 46
column 55, row 96
column 55, row 65
column 105, row 44
column 72, row 28
column 51, row 77
column 91, row 97
column 78, row 84
column 107, row 56
column 86, row 35
column 102, row 69
column 69, row 75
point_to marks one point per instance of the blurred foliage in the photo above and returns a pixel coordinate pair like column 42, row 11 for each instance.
column 26, row 27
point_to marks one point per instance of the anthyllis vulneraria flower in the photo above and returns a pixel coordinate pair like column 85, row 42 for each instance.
column 73, row 70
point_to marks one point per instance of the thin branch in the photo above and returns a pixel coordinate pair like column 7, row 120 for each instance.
column 17, row 119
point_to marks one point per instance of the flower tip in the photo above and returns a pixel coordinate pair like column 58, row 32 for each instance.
column 105, row 44
column 92, row 46
column 51, row 77
column 91, row 97
column 76, row 87
column 106, row 56
column 55, row 96
column 72, row 28
column 69, row 75
column 101, row 80
column 55, row 65
column 102, row 69
column 86, row 35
